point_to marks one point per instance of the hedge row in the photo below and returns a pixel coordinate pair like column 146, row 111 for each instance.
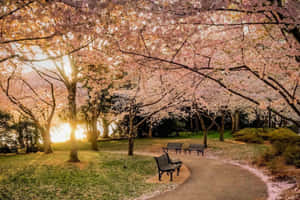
column 284, row 141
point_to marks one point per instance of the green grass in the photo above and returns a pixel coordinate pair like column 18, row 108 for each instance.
column 199, row 134
column 226, row 150
column 102, row 175
column 99, row 176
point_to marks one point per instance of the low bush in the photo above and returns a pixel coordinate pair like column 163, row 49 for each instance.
column 292, row 155
column 283, row 135
column 258, row 135
column 252, row 135
column 250, row 139
column 285, row 143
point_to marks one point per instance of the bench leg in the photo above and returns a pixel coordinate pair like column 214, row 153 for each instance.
column 171, row 176
column 178, row 170
column 159, row 175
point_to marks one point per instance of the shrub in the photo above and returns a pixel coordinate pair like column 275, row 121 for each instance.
column 249, row 135
column 268, row 155
column 283, row 134
column 285, row 145
column 265, row 133
column 275, row 165
column 292, row 155
column 250, row 139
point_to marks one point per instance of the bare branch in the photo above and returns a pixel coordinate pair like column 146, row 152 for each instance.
column 15, row 10
column 29, row 39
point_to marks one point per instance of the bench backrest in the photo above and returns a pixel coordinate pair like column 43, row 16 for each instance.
column 161, row 161
column 196, row 146
column 174, row 145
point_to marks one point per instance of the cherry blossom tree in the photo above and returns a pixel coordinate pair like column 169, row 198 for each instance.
column 32, row 100
column 216, row 39
column 150, row 96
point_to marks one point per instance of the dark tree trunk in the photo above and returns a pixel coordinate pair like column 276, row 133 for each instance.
column 131, row 137
column 130, row 145
column 150, row 130
column 237, row 120
column 191, row 123
column 197, row 126
column 204, row 129
column 269, row 119
column 21, row 137
column 105, row 124
column 94, row 134
column 73, row 123
column 222, row 127
column 233, row 129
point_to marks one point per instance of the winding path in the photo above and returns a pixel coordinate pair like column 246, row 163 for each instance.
column 214, row 180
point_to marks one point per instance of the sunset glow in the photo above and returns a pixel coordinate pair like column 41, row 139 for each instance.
column 61, row 133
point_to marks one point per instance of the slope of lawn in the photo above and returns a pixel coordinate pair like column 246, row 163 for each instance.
column 228, row 150
column 102, row 176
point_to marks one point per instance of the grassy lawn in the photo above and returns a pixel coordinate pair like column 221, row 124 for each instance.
column 102, row 175
column 226, row 150
column 99, row 176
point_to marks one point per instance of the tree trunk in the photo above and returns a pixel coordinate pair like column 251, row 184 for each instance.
column 204, row 130
column 47, row 141
column 94, row 134
column 269, row 118
column 150, row 130
column 222, row 127
column 237, row 120
column 21, row 137
column 130, row 145
column 73, row 123
column 197, row 127
column 105, row 125
column 232, row 122
column 131, row 137
column 191, row 123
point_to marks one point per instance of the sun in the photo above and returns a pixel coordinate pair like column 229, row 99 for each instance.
column 61, row 133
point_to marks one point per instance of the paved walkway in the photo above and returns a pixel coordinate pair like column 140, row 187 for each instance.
column 214, row 180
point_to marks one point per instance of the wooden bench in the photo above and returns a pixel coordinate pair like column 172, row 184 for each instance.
column 176, row 146
column 195, row 147
column 164, row 165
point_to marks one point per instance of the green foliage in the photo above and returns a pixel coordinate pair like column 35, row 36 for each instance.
column 279, row 147
column 292, row 155
column 250, row 139
column 249, row 135
column 258, row 135
column 285, row 144
column 282, row 134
